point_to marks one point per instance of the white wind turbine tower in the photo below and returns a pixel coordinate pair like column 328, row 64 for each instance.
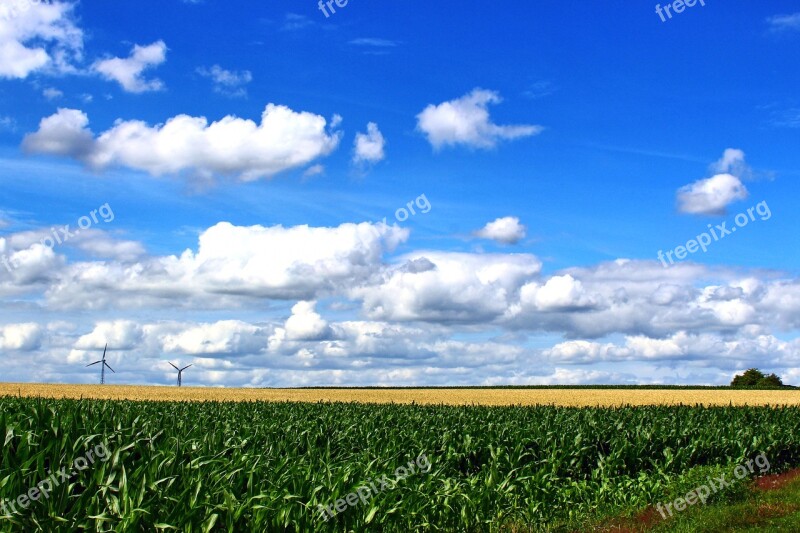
column 180, row 373
column 103, row 365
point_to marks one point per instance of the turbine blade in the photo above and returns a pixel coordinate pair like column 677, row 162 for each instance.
column 90, row 364
column 109, row 367
column 104, row 351
column 175, row 367
column 184, row 368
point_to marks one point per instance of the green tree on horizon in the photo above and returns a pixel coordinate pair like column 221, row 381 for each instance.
column 753, row 377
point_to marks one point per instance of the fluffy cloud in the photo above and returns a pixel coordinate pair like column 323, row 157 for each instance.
column 232, row 146
column 236, row 264
column 119, row 334
column 731, row 162
column 38, row 37
column 100, row 244
column 729, row 354
column 713, row 195
column 22, row 337
column 558, row 293
column 449, row 287
column 428, row 317
column 229, row 337
column 368, row 147
column 128, row 72
column 466, row 121
column 506, row 230
column 305, row 323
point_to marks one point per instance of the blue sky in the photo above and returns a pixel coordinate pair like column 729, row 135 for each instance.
column 549, row 153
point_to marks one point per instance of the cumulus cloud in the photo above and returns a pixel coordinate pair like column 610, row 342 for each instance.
column 305, row 323
column 227, row 82
column 41, row 37
column 118, row 334
column 448, row 287
column 670, row 319
column 506, row 230
column 232, row 146
column 558, row 293
column 712, row 196
column 229, row 337
column 129, row 71
column 236, row 263
column 368, row 147
column 22, row 337
column 65, row 133
column 466, row 121
column 427, row 316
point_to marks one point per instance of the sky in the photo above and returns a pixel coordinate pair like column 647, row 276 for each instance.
column 399, row 193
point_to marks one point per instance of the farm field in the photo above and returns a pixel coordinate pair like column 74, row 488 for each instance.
column 578, row 397
column 284, row 466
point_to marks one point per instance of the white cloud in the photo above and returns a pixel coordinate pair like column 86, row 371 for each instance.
column 466, row 121
column 236, row 264
column 227, row 82
column 559, row 293
column 369, row 147
column 232, row 146
column 128, row 72
column 731, row 162
column 781, row 23
column 64, row 133
column 711, row 196
column 42, row 37
column 306, row 324
column 118, row 334
column 101, row 244
column 224, row 337
column 429, row 317
column 448, row 287
column 22, row 337
column 506, row 230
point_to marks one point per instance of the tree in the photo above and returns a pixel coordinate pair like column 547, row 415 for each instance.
column 750, row 378
column 753, row 377
column 771, row 381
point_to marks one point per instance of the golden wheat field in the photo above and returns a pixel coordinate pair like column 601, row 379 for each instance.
column 561, row 397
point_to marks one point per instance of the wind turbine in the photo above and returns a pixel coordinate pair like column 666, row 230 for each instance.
column 103, row 365
column 180, row 373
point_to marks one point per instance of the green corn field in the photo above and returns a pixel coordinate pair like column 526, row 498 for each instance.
column 267, row 466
